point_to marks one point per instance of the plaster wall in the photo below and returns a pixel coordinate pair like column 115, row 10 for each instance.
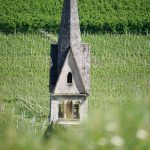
column 84, row 110
column 62, row 87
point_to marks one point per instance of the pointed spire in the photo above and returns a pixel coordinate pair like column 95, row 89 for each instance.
column 69, row 35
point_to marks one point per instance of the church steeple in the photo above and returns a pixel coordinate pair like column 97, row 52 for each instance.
column 69, row 34
column 70, row 70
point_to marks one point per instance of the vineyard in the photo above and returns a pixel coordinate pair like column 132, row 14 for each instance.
column 120, row 80
column 96, row 16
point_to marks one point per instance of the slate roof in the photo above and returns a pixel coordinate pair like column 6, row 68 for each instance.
column 69, row 34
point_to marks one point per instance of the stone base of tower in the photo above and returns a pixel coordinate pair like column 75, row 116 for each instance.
column 69, row 109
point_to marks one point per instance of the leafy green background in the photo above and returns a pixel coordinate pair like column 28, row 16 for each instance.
column 96, row 16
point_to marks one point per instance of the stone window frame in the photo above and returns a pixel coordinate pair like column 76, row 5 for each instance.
column 63, row 105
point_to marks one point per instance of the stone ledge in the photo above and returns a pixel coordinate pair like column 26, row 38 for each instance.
column 68, row 121
column 65, row 94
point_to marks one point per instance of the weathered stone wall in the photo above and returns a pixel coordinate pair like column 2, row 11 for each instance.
column 84, row 110
column 54, row 110
column 85, row 73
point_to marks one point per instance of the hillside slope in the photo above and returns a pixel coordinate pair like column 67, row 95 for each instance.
column 120, row 78
column 120, row 67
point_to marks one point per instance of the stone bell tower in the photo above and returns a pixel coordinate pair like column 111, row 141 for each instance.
column 70, row 70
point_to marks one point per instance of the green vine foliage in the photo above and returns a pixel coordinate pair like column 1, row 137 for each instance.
column 96, row 16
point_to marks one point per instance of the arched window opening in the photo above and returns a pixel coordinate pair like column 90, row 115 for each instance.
column 61, row 109
column 69, row 110
column 76, row 110
column 69, row 78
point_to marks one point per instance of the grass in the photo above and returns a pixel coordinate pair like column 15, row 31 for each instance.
column 120, row 85
column 120, row 68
